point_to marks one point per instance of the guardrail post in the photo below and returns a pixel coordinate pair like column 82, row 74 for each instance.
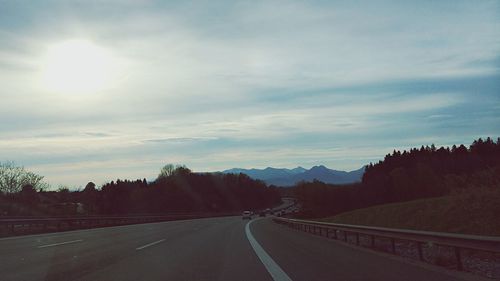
column 357, row 239
column 393, row 246
column 458, row 256
column 345, row 236
column 419, row 248
column 372, row 241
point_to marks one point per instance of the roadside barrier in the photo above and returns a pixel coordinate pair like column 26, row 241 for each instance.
column 28, row 225
column 461, row 252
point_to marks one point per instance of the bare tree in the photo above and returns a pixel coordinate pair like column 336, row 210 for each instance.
column 171, row 170
column 13, row 178
column 167, row 171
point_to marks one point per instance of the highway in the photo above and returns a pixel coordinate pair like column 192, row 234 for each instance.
column 201, row 249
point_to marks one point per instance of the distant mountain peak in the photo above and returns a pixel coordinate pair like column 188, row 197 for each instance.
column 289, row 177
column 299, row 169
column 319, row 167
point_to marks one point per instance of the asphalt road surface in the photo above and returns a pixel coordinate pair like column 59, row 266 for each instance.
column 203, row 249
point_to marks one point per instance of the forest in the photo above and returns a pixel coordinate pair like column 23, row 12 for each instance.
column 175, row 190
column 423, row 172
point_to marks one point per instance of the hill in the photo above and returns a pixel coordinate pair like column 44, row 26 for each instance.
column 405, row 176
column 289, row 177
column 472, row 211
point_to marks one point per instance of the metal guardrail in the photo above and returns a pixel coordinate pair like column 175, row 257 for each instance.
column 27, row 225
column 458, row 242
column 15, row 226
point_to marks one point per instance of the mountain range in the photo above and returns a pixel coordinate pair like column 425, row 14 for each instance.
column 289, row 177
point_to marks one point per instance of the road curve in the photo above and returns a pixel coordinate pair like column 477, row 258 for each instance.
column 201, row 249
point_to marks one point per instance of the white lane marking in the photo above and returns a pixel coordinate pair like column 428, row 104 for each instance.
column 272, row 267
column 150, row 244
column 62, row 243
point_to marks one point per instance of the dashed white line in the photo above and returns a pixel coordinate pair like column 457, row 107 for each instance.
column 150, row 244
column 272, row 267
column 62, row 243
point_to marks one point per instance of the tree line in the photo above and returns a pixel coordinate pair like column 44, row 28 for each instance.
column 176, row 189
column 408, row 175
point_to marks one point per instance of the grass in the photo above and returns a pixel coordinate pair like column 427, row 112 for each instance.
column 471, row 211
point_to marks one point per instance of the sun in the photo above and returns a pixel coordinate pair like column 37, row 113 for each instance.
column 77, row 67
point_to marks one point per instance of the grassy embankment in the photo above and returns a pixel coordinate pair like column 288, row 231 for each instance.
column 472, row 211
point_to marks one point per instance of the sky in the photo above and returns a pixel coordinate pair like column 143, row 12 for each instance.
column 100, row 90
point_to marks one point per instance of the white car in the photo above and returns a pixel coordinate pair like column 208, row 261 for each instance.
column 247, row 215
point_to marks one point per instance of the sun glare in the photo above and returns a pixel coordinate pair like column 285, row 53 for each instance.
column 77, row 67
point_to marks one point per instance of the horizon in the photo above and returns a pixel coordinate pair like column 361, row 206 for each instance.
column 153, row 177
column 101, row 91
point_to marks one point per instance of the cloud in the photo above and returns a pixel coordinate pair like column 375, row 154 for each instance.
column 98, row 134
column 179, row 140
column 215, row 85
column 439, row 116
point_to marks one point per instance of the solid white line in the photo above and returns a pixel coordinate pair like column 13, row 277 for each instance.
column 272, row 267
column 150, row 244
column 62, row 243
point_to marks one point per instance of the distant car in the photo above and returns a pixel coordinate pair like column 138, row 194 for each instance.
column 247, row 215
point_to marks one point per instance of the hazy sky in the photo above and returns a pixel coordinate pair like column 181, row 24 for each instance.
column 221, row 84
